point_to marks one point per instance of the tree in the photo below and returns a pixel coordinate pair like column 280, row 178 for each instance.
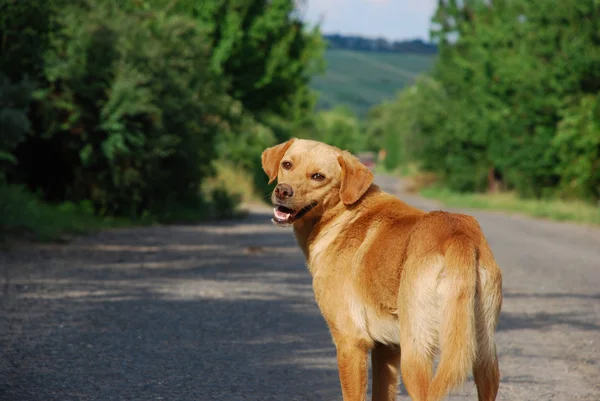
column 128, row 103
column 127, row 114
column 263, row 49
column 517, row 79
column 339, row 127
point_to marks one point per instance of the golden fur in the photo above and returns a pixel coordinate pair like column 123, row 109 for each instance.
column 390, row 279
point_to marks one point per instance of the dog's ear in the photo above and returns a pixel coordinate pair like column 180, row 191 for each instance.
column 271, row 158
column 356, row 178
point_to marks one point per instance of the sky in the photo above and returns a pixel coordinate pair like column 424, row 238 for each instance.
column 391, row 19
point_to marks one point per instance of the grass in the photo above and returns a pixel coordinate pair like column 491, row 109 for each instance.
column 409, row 170
column 23, row 214
column 558, row 210
column 362, row 80
column 234, row 181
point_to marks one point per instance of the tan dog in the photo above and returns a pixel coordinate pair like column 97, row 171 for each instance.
column 389, row 277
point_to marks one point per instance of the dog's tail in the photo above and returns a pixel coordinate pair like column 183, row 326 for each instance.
column 457, row 330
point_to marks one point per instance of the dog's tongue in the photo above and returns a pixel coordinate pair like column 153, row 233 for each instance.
column 281, row 215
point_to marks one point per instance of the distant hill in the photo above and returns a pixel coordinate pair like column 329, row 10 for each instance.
column 362, row 72
column 363, row 79
column 360, row 43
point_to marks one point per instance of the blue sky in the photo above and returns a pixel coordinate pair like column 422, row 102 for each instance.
column 391, row 19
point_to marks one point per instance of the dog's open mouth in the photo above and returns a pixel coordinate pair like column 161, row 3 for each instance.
column 283, row 215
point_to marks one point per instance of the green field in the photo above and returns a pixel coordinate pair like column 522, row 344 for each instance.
column 362, row 80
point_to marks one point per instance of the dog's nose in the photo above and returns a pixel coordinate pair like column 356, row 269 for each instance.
column 283, row 191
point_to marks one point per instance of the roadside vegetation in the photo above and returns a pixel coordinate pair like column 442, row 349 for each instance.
column 126, row 112
column 154, row 111
column 551, row 209
column 509, row 116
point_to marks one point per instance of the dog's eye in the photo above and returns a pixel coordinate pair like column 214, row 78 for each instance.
column 286, row 165
column 318, row 177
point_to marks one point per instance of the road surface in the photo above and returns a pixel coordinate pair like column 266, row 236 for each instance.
column 225, row 312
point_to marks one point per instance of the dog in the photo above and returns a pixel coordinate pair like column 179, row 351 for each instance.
column 389, row 279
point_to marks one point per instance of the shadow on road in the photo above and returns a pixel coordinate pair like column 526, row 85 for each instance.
column 212, row 312
column 574, row 316
column 543, row 320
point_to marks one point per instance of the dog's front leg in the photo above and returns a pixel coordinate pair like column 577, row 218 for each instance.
column 352, row 356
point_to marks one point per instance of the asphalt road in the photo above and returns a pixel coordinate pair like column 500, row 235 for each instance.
column 225, row 312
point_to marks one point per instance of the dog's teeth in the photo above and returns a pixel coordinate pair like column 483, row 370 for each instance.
column 281, row 215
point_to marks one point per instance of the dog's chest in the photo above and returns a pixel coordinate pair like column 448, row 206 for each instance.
column 321, row 250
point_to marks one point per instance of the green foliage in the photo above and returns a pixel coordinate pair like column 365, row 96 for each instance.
column 577, row 143
column 14, row 124
column 135, row 100
column 394, row 125
column 224, row 203
column 513, row 91
column 129, row 104
column 21, row 60
column 25, row 27
column 553, row 209
column 339, row 127
column 263, row 49
column 243, row 143
column 126, row 106
column 22, row 212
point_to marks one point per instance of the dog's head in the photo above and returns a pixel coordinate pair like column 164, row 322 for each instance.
column 312, row 177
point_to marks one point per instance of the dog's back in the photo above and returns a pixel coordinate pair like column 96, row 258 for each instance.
column 391, row 274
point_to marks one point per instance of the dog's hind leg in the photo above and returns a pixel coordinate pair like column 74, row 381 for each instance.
column 385, row 362
column 486, row 374
column 488, row 301
column 416, row 366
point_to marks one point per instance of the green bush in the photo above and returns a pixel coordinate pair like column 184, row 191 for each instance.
column 513, row 91
column 127, row 105
column 577, row 144
column 130, row 114
column 264, row 50
column 242, row 142
column 14, row 124
column 339, row 127
column 24, row 213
